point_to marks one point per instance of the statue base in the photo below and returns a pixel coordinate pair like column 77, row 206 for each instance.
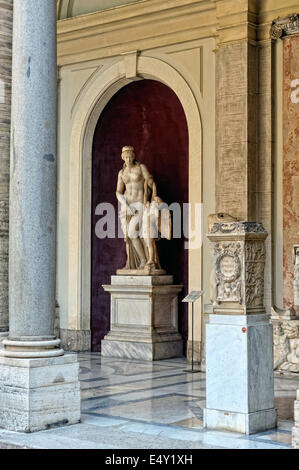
column 146, row 271
column 239, row 374
column 144, row 318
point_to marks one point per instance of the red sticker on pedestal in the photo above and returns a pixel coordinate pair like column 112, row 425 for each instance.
column 244, row 330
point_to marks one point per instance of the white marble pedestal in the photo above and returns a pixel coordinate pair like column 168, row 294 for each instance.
column 144, row 318
column 239, row 374
column 36, row 394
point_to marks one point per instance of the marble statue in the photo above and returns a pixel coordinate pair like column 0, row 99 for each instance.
column 286, row 328
column 281, row 345
column 286, row 345
column 142, row 215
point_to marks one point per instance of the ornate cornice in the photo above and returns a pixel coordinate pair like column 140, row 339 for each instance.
column 237, row 228
column 140, row 25
column 285, row 26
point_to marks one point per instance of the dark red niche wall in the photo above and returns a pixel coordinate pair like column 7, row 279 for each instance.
column 147, row 115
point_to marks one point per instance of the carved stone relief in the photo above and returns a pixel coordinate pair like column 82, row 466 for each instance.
column 286, row 345
column 255, row 258
column 239, row 261
column 285, row 26
column 228, row 272
column 220, row 217
column 286, row 328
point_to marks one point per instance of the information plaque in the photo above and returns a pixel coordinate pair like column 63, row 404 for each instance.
column 193, row 296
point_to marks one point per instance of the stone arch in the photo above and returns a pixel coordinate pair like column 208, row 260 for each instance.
column 94, row 96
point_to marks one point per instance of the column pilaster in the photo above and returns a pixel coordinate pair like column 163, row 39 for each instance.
column 236, row 109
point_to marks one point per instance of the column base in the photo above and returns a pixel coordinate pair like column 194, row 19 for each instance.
column 245, row 423
column 32, row 348
column 3, row 336
column 37, row 394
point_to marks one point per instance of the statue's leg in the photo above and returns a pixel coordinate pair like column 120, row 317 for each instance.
column 127, row 266
column 156, row 255
column 138, row 246
column 150, row 258
column 125, row 220
column 134, row 235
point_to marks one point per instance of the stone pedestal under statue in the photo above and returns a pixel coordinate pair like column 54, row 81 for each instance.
column 239, row 337
column 144, row 318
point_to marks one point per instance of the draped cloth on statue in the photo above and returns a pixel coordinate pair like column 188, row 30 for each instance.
column 149, row 223
column 128, row 224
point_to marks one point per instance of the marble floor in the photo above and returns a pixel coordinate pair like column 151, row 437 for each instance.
column 162, row 399
column 129, row 404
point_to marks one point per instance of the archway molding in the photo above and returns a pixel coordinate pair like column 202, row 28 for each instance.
column 93, row 98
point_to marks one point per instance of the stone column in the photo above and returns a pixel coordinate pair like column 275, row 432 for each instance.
column 286, row 322
column 38, row 384
column 239, row 344
column 32, row 247
column 6, row 7
column 245, row 118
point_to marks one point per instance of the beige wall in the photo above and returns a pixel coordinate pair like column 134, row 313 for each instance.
column 188, row 67
column 183, row 40
column 70, row 8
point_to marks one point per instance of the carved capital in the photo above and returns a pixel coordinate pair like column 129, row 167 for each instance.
column 284, row 26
